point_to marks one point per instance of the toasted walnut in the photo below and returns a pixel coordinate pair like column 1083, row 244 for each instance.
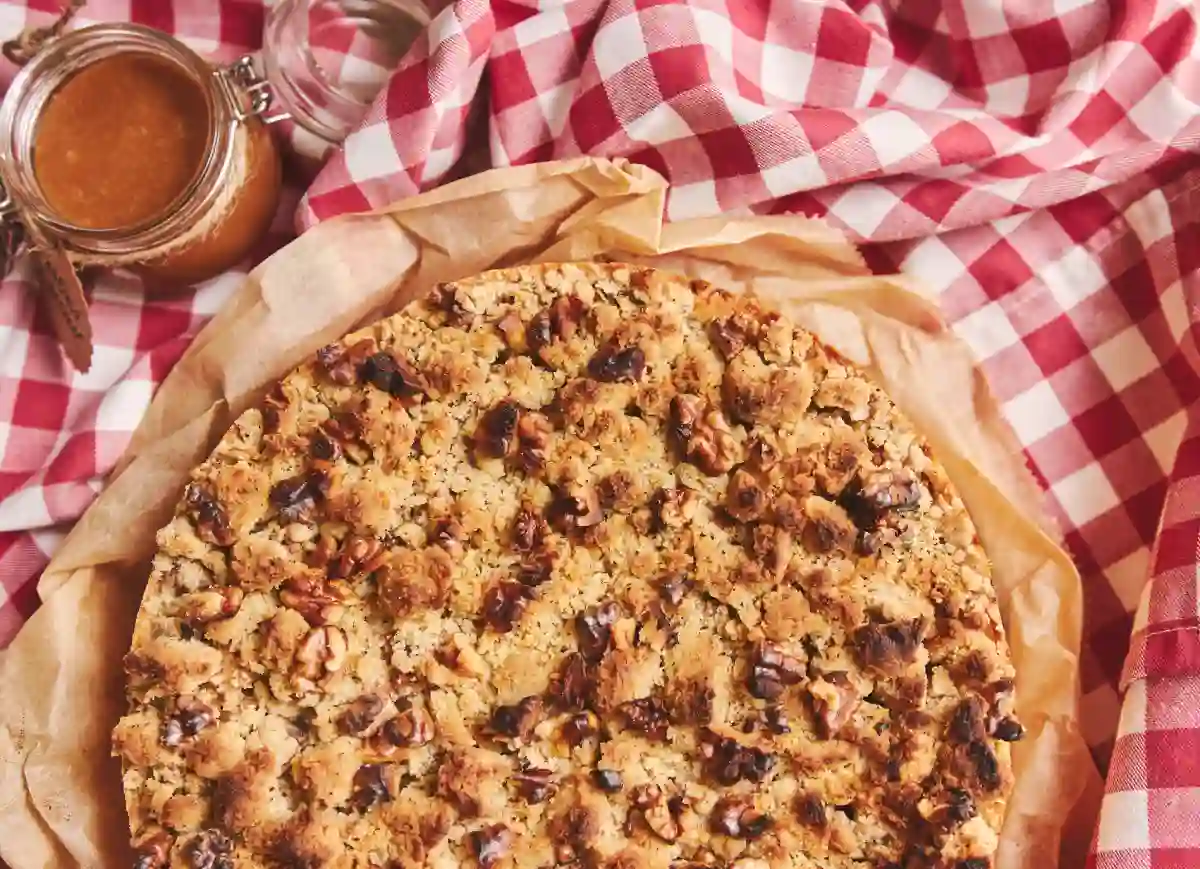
column 958, row 808
column 691, row 702
column 536, row 569
column 323, row 447
column 496, row 432
column 727, row 761
column 731, row 335
column 608, row 780
column 490, row 844
column 703, row 435
column 517, row 720
column 394, row 376
column 1008, row 730
column 458, row 306
column 296, row 497
column 535, row 785
column 674, row 587
column 573, row 686
column 358, row 555
column 209, row 849
column 647, row 715
column 967, row 722
column 662, row 821
column 503, row 604
column 984, row 765
column 828, row 528
column 533, row 435
column 449, row 534
column 152, row 853
column 882, row 492
column 411, row 726
column 318, row 602
column 360, row 714
column 772, row 548
column 414, row 580
column 834, row 700
column 212, row 522
column 617, row 365
column 202, row 607
column 323, row 650
column 566, row 313
column 745, row 499
column 771, row 670
column 340, row 363
column 529, row 530
column 672, row 508
column 513, row 329
column 579, row 727
column 593, row 630
column 191, row 717
column 810, row 810
column 575, row 506
column 887, row 647
column 645, row 796
column 539, row 333
column 370, row 786
column 737, row 817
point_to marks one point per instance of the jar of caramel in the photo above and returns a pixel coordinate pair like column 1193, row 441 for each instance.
column 125, row 148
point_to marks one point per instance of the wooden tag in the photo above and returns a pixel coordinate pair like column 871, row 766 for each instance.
column 62, row 293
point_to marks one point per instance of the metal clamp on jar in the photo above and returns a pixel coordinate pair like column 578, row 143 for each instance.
column 126, row 148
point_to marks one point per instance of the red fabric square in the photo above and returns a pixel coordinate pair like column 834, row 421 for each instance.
column 1100, row 115
column 843, row 37
column 1000, row 270
column 41, row 405
column 728, row 150
column 1043, row 45
column 679, row 69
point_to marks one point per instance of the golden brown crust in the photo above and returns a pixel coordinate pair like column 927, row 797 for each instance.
column 581, row 564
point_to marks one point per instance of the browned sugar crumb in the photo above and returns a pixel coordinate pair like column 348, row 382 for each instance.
column 572, row 565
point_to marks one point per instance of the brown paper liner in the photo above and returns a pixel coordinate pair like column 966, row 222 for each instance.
column 61, row 682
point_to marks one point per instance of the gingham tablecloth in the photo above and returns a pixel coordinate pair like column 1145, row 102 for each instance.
column 1032, row 161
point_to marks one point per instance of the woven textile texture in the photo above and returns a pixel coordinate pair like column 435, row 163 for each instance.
column 1031, row 161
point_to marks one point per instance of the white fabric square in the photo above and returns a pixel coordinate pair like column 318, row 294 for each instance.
column 1163, row 112
column 123, row 405
column 694, row 200
column 1086, row 494
column 714, row 31
column 863, row 207
column 1124, row 822
column 1007, row 97
column 1127, row 578
column 1164, row 439
column 548, row 23
column 661, row 124
column 894, row 137
column 24, row 509
column 1074, row 277
column 985, row 17
column 799, row 173
column 1125, row 358
column 987, row 331
column 371, row 153
column 786, row 72
column 618, row 44
column 919, row 89
column 1133, row 711
column 1036, row 412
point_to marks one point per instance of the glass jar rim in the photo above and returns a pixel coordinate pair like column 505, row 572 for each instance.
column 47, row 71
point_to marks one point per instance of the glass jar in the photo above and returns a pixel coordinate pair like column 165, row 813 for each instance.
column 327, row 60
column 127, row 149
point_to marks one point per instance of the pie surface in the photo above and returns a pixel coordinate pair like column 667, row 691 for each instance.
column 582, row 565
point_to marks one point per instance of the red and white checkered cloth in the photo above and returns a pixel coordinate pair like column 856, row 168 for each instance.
column 1030, row 160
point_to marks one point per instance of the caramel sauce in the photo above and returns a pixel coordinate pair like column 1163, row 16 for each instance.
column 119, row 141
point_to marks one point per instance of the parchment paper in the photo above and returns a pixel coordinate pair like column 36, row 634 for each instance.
column 61, row 683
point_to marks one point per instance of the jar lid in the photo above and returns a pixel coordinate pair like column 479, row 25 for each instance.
column 327, row 60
